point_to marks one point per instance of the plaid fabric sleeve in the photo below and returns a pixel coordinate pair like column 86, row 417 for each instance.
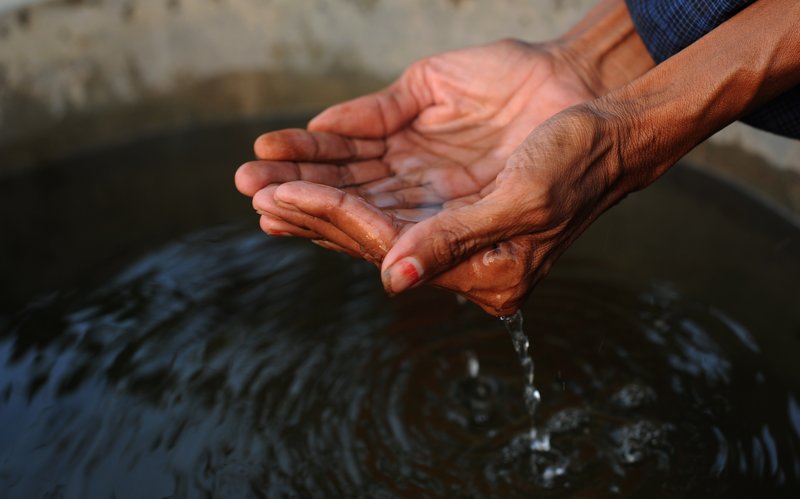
column 668, row 26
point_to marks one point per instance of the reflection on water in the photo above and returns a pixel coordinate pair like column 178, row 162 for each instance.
column 236, row 365
column 229, row 364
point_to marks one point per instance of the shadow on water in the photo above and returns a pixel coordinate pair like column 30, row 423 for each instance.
column 156, row 344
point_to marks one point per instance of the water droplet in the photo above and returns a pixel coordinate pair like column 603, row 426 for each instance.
column 473, row 366
column 539, row 441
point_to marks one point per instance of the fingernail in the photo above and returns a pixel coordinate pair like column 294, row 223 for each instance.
column 278, row 233
column 404, row 274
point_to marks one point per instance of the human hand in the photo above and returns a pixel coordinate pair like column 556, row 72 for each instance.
column 491, row 247
column 568, row 171
column 442, row 131
column 436, row 139
column 585, row 159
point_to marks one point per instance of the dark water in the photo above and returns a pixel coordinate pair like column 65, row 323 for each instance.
column 172, row 350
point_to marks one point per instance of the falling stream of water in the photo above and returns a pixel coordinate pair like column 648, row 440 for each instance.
column 539, row 440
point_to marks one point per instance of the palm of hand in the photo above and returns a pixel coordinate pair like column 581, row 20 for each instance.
column 370, row 168
column 482, row 103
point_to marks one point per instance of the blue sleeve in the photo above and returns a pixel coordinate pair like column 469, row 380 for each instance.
column 669, row 26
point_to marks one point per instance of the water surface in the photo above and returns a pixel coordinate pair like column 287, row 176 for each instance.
column 192, row 355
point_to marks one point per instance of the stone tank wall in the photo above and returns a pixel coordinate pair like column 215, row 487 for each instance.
column 77, row 73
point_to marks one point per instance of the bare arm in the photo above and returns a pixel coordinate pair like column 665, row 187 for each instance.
column 373, row 167
column 743, row 63
column 584, row 160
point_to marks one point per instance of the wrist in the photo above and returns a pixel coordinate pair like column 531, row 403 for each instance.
column 662, row 115
column 605, row 47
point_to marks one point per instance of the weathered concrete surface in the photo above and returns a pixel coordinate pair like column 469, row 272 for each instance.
column 80, row 72
column 77, row 71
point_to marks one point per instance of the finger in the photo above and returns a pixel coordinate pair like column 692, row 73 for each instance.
column 382, row 113
column 274, row 226
column 442, row 241
column 296, row 144
column 322, row 243
column 414, row 215
column 488, row 189
column 371, row 228
column 253, row 176
column 413, row 197
column 394, row 183
column 446, row 180
column 490, row 278
column 326, row 235
column 306, row 225
column 462, row 201
column 272, row 221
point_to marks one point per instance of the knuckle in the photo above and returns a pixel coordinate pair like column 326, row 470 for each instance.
column 416, row 71
column 346, row 177
column 453, row 242
column 546, row 210
column 441, row 250
column 339, row 203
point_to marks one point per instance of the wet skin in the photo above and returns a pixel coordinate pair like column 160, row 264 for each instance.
column 368, row 170
column 478, row 168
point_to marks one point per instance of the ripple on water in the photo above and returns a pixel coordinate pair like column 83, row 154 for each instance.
column 226, row 364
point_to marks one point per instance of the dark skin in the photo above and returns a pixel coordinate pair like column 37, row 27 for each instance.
column 478, row 168
column 436, row 140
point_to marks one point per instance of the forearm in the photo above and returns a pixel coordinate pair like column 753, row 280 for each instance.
column 607, row 45
column 743, row 63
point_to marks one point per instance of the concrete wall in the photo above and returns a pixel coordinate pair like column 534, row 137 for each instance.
column 75, row 73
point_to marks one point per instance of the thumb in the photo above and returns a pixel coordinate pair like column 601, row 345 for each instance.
column 444, row 240
column 379, row 114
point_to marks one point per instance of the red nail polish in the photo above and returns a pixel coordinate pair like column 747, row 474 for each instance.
column 409, row 271
column 402, row 275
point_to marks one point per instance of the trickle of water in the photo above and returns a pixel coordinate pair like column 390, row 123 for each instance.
column 477, row 391
column 539, row 440
column 220, row 364
column 473, row 365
